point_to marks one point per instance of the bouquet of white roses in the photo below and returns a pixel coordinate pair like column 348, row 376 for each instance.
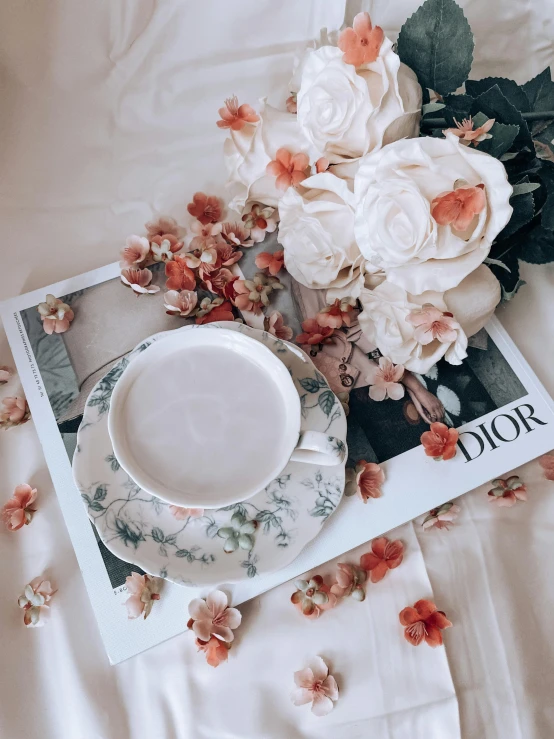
column 423, row 220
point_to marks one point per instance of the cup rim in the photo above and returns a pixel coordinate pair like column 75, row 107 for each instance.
column 200, row 337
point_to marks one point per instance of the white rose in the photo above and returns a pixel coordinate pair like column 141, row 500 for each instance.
column 346, row 111
column 317, row 234
column 387, row 308
column 248, row 152
column 395, row 230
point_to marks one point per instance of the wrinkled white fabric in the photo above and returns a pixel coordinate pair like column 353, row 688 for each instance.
column 108, row 114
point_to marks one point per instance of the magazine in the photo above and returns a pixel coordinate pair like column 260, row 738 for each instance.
column 505, row 418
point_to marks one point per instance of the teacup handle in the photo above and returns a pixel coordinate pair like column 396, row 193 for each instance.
column 315, row 447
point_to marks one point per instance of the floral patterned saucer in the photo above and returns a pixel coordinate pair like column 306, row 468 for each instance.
column 226, row 545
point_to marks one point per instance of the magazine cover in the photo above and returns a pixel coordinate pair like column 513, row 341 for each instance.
column 503, row 414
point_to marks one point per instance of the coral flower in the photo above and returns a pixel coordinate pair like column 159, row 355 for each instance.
column 206, row 208
column 235, row 116
column 466, row 132
column 384, row 380
column 339, row 313
column 217, row 311
column 313, row 333
column 385, row 555
column 431, row 323
column 272, row 262
column 458, row 207
column 214, row 617
column 507, row 492
column 144, row 591
column 17, row 512
column 289, row 169
column 216, row 651
column 361, row 44
column 365, row 480
column 139, row 280
column 440, row 442
column 55, row 315
column 180, row 276
column 275, row 325
column 315, row 686
column 423, row 621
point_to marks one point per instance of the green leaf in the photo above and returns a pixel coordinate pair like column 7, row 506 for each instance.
column 437, row 43
column 86, row 498
column 96, row 506
column 158, row 535
column 182, row 553
column 432, row 108
column 546, row 173
column 538, row 247
column 540, row 92
column 495, row 105
column 101, row 492
column 523, row 187
column 310, row 384
column 508, row 274
column 503, row 136
column 326, row 401
column 524, row 210
column 510, row 89
column 457, row 108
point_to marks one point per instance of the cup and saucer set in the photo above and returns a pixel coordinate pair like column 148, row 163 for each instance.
column 211, row 454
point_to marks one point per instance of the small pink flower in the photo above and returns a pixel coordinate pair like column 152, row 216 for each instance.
column 289, row 169
column 179, row 275
column 468, row 135
column 291, row 104
column 423, row 621
column 384, row 380
column 350, row 581
column 236, row 234
column 547, row 463
column 213, row 617
column 313, row 333
column 275, row 325
column 214, row 310
column 5, row 374
column 385, row 555
column 206, row 235
column 17, row 512
column 322, row 165
column 34, row 602
column 164, row 247
column 272, row 262
column 235, row 116
column 216, row 651
column 228, row 254
column 15, row 412
column 365, row 480
column 315, row 686
column 144, row 591
column 180, row 303
column 338, row 314
column 135, row 252
column 507, row 492
column 160, row 226
column 217, row 282
column 313, row 596
column 206, row 208
column 260, row 221
column 441, row 517
column 431, row 323
column 459, row 207
column 362, row 43
column 182, row 513
column 138, row 280
column 253, row 295
column 55, row 315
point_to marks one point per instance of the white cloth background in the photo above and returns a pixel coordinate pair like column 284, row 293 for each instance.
column 108, row 113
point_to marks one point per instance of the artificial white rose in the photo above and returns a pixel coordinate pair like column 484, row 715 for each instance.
column 317, row 234
column 395, row 229
column 392, row 320
column 346, row 112
column 248, row 152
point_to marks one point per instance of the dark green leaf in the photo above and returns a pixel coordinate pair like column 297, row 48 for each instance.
column 158, row 535
column 508, row 275
column 162, row 550
column 326, row 401
column 494, row 105
column 310, row 384
column 510, row 89
column 503, row 136
column 101, row 492
column 86, row 498
column 457, row 108
column 524, row 210
column 540, row 92
column 538, row 247
column 546, row 173
column 96, row 506
column 524, row 187
column 171, row 539
column 437, row 43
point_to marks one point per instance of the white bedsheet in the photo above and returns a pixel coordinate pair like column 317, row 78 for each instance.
column 108, row 112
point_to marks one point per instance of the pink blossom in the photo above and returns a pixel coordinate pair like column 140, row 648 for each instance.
column 362, row 43
column 275, row 325
column 5, row 374
column 180, row 303
column 206, row 235
column 289, row 169
column 340, row 313
column 160, row 226
column 55, row 315
column 441, row 517
column 17, row 512
column 182, row 513
column 365, row 480
column 350, row 580
column 218, row 280
column 313, row 333
column 214, row 310
column 15, row 412
column 216, row 651
column 468, row 135
column 135, row 252
column 459, row 207
column 164, row 247
column 206, row 208
column 431, row 323
column 272, row 262
column 213, row 617
column 236, row 234
column 260, row 221
column 144, row 591
column 316, row 686
column 235, row 116
column 506, row 493
column 384, row 380
column 139, row 280
column 34, row 601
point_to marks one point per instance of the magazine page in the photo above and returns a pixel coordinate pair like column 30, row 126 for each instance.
column 503, row 414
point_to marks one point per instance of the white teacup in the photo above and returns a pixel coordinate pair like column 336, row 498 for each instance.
column 207, row 418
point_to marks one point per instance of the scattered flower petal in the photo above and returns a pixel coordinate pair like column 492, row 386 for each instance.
column 235, row 116
column 365, row 480
column 313, row 596
column 215, row 310
column 236, row 234
column 361, row 44
column 34, row 602
column 212, row 616
column 458, row 207
column 384, row 380
column 423, row 621
column 144, row 591
column 441, row 517
column 316, row 686
column 139, row 280
column 272, row 262
column 385, row 555
column 507, row 492
column 55, row 315
column 340, row 313
column 313, row 333
column 289, row 169
column 180, row 303
column 440, row 442
column 350, row 581
column 253, row 295
column 15, row 412
column 17, row 512
column 206, row 208
column 275, row 325
column 206, row 236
